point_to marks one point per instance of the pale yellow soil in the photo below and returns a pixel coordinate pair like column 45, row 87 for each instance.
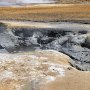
column 40, row 70
column 74, row 80
column 46, row 12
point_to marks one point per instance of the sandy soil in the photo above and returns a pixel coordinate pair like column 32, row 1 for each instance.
column 25, row 71
column 74, row 80
column 46, row 12
column 40, row 70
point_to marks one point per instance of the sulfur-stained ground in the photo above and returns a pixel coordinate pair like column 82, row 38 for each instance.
column 47, row 12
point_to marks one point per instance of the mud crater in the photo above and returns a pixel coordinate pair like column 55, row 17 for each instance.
column 75, row 44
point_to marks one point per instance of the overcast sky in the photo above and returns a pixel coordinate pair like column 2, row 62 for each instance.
column 27, row 1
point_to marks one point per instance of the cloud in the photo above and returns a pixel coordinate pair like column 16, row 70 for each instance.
column 26, row 1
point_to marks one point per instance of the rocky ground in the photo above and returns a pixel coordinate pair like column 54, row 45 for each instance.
column 39, row 58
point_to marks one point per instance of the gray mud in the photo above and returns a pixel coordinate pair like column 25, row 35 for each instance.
column 74, row 43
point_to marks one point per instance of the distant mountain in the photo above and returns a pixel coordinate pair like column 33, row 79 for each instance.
column 72, row 1
column 9, row 1
column 5, row 4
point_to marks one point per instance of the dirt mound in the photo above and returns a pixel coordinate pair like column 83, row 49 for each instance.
column 28, row 71
column 40, row 70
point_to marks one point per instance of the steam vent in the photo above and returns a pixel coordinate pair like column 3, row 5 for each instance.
column 44, row 45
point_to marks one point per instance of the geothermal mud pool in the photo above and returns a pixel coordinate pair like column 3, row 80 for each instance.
column 75, row 44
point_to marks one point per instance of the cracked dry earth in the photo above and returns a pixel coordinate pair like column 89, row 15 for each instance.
column 40, row 70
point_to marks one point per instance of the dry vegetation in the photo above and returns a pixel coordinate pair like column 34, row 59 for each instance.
column 46, row 13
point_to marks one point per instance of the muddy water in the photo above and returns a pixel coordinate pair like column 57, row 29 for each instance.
column 69, row 38
column 75, row 44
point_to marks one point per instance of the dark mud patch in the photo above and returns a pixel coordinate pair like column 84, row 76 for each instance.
column 75, row 44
